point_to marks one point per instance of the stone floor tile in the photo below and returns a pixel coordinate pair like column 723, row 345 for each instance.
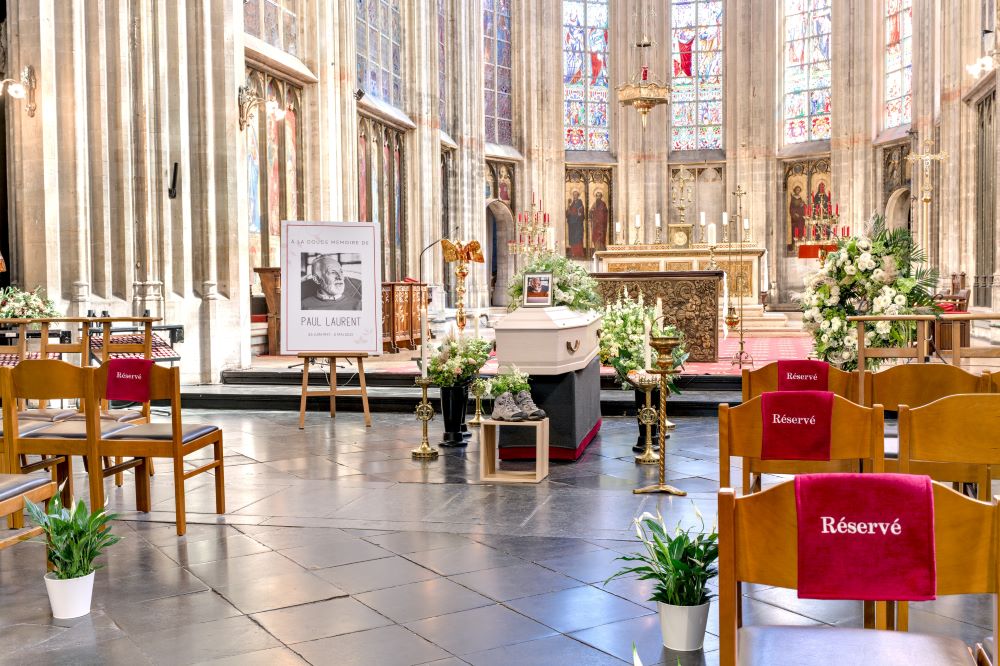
column 323, row 619
column 544, row 652
column 479, row 629
column 577, row 608
column 417, row 601
column 385, row 646
column 471, row 557
column 514, row 582
column 375, row 574
column 272, row 592
column 204, row 642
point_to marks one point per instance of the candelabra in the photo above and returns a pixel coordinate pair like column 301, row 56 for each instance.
column 646, row 383
column 742, row 356
column 424, row 414
column 822, row 223
column 664, row 347
column 531, row 232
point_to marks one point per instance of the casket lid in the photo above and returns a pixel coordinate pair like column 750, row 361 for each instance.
column 554, row 317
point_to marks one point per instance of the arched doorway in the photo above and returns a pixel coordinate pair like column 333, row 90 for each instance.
column 499, row 230
column 898, row 210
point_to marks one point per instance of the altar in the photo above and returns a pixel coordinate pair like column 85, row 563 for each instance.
column 743, row 267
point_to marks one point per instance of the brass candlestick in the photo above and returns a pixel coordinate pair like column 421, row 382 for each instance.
column 424, row 413
column 664, row 347
column 478, row 390
column 712, row 266
column 647, row 415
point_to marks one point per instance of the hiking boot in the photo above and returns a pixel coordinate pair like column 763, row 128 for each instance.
column 505, row 409
column 529, row 407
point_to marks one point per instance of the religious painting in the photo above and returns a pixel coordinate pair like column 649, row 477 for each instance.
column 489, row 183
column 331, row 302
column 500, row 182
column 895, row 170
column 291, row 162
column 505, row 186
column 588, row 211
column 253, row 200
column 807, row 188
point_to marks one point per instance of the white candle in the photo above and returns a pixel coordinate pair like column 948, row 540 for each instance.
column 638, row 221
column 711, row 234
column 424, row 339
column 618, row 230
column 746, row 224
column 593, row 264
column 765, row 280
column 701, row 217
column 657, row 220
column 725, row 220
column 646, row 354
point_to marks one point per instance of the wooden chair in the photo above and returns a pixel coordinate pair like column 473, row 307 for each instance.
column 914, row 385
column 171, row 440
column 855, row 441
column 758, row 543
column 14, row 490
column 765, row 380
column 56, row 443
column 333, row 391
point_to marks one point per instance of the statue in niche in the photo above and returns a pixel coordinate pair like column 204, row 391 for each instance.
column 797, row 212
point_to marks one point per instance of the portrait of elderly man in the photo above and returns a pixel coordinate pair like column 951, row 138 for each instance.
column 327, row 288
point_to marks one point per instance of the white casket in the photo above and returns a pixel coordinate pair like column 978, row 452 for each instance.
column 548, row 341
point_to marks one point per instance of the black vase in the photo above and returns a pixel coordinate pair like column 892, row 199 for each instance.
column 640, row 402
column 454, row 405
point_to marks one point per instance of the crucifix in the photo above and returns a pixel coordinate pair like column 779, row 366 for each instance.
column 926, row 159
column 683, row 195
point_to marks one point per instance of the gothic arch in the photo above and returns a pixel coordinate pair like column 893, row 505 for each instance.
column 500, row 264
column 898, row 209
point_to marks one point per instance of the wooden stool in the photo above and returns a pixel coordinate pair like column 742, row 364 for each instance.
column 488, row 455
column 333, row 392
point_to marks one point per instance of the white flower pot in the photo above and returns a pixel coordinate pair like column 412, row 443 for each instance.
column 69, row 598
column 683, row 627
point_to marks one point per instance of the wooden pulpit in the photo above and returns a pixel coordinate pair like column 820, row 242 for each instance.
column 270, row 282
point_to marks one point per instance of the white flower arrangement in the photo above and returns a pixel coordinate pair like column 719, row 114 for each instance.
column 874, row 274
column 18, row 304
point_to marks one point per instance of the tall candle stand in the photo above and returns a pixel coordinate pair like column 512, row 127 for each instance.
column 741, row 357
column 664, row 347
column 424, row 414
column 646, row 383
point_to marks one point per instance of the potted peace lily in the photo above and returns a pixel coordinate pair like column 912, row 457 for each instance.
column 75, row 538
column 451, row 368
column 623, row 342
column 680, row 564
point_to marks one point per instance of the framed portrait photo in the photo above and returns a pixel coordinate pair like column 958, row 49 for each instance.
column 537, row 290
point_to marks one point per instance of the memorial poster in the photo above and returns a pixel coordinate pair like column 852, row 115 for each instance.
column 330, row 287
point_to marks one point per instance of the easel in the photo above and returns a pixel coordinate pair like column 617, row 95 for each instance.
column 333, row 391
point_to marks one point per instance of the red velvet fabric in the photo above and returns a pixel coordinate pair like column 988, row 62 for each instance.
column 796, row 425
column 128, row 379
column 866, row 536
column 803, row 375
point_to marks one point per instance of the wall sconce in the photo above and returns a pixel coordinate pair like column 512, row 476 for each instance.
column 19, row 89
column 248, row 99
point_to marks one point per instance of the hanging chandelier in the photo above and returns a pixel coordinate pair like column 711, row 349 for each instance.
column 643, row 92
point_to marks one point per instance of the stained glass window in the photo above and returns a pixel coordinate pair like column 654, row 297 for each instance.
column 379, row 33
column 696, row 100
column 497, row 72
column 807, row 70
column 274, row 167
column 274, row 21
column 586, row 85
column 898, row 62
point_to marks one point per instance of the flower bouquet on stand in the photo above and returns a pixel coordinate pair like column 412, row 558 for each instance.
column 626, row 329
column 878, row 273
column 451, row 368
column 18, row 304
